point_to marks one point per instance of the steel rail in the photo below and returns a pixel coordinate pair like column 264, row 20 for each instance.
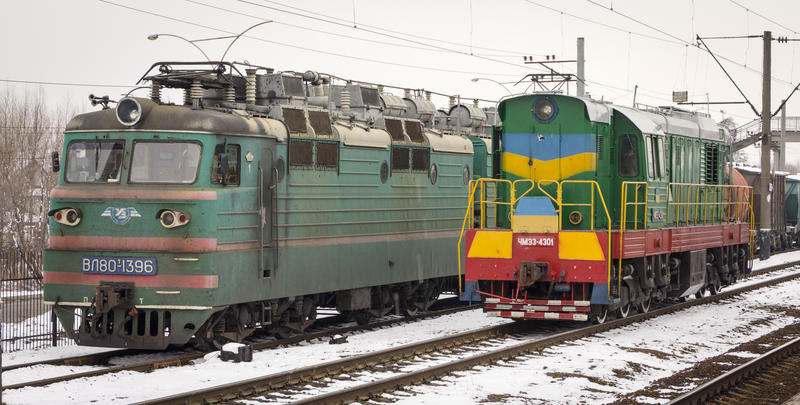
column 86, row 359
column 368, row 390
column 101, row 358
column 732, row 378
column 188, row 358
column 254, row 386
column 268, row 383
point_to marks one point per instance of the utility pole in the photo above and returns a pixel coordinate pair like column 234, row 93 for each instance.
column 766, row 146
column 581, row 75
column 781, row 158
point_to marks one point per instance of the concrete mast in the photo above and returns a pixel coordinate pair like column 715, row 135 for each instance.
column 765, row 213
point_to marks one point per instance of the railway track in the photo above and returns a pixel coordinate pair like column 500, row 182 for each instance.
column 187, row 358
column 769, row 379
column 420, row 353
column 104, row 357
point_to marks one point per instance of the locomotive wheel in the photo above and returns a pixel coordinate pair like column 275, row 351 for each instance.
column 600, row 313
column 293, row 321
column 422, row 297
column 700, row 293
column 363, row 317
column 644, row 306
column 282, row 332
column 714, row 288
column 207, row 338
column 432, row 293
column 624, row 310
column 411, row 307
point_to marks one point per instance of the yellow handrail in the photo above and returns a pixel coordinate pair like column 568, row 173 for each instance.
column 514, row 188
column 469, row 216
column 624, row 220
column 725, row 196
column 561, row 203
column 705, row 211
column 543, row 191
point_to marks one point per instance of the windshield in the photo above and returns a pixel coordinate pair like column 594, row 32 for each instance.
column 165, row 162
column 94, row 161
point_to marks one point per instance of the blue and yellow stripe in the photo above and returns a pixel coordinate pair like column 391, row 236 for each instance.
column 553, row 157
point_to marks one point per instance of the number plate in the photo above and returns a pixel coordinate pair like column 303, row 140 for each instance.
column 545, row 241
column 131, row 266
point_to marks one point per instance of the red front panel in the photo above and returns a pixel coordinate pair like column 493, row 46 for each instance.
column 479, row 268
column 537, row 248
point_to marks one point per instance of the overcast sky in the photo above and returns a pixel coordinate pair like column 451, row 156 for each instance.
column 437, row 45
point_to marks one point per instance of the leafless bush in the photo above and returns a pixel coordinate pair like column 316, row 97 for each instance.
column 29, row 132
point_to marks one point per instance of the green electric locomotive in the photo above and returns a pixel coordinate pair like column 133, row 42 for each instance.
column 603, row 208
column 259, row 198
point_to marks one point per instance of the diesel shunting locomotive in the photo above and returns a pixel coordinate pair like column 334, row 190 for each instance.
column 602, row 208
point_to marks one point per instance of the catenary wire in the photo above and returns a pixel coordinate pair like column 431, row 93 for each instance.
column 388, row 35
column 306, row 48
column 518, row 53
column 764, row 17
column 336, row 33
column 682, row 40
column 327, row 16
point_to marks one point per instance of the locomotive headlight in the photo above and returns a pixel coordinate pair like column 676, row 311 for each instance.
column 575, row 217
column 67, row 216
column 173, row 218
column 129, row 111
column 544, row 109
column 167, row 218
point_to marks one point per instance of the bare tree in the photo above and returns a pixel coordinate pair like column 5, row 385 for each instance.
column 29, row 132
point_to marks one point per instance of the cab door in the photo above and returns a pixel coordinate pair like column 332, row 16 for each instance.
column 268, row 181
column 657, row 175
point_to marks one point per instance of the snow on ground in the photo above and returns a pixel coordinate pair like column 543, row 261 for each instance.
column 688, row 336
column 599, row 368
column 126, row 387
column 775, row 260
column 48, row 353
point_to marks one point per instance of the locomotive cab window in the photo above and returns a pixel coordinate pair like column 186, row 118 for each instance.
column 218, row 175
column 655, row 156
column 94, row 161
column 165, row 162
column 628, row 156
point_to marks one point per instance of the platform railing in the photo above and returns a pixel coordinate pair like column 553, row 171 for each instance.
column 479, row 186
column 703, row 204
column 693, row 204
column 637, row 204
column 624, row 204
column 593, row 187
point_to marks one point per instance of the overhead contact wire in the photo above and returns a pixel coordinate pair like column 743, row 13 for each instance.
column 305, row 48
column 518, row 53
